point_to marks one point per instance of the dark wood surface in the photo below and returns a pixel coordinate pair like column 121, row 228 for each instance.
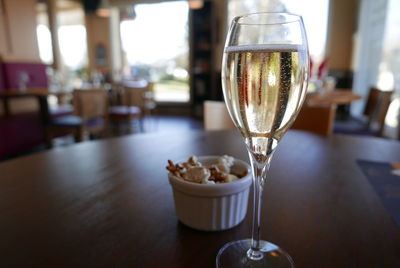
column 109, row 204
column 337, row 96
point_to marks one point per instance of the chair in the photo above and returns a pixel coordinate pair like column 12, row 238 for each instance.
column 136, row 102
column 150, row 104
column 318, row 119
column 90, row 116
column 374, row 113
column 216, row 116
column 376, row 109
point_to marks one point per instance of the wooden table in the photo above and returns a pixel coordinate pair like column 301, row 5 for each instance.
column 337, row 96
column 40, row 93
column 109, row 204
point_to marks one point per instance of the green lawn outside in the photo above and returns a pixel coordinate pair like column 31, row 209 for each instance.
column 174, row 85
column 171, row 90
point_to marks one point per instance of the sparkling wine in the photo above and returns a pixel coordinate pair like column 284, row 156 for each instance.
column 264, row 87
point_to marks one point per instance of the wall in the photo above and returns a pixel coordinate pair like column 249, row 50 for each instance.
column 115, row 42
column 3, row 31
column 98, row 34
column 342, row 26
column 370, row 38
column 223, row 25
column 18, row 41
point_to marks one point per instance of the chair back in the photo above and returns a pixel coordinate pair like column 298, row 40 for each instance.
column 149, row 101
column 135, row 96
column 376, row 109
column 318, row 119
column 91, row 103
column 216, row 116
column 12, row 73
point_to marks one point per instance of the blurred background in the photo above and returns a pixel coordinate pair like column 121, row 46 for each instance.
column 176, row 47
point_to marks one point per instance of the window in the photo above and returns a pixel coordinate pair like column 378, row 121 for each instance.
column 156, row 47
column 44, row 35
column 44, row 42
column 314, row 13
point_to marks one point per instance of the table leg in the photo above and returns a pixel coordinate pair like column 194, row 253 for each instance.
column 6, row 106
column 44, row 110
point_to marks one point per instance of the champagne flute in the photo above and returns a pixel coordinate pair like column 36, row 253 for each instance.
column 265, row 70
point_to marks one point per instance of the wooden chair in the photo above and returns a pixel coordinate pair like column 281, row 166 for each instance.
column 90, row 116
column 376, row 109
column 135, row 100
column 216, row 116
column 318, row 119
column 374, row 113
column 150, row 105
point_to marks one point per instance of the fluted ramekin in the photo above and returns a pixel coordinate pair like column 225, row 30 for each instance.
column 212, row 207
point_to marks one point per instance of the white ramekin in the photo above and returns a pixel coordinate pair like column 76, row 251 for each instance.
column 212, row 207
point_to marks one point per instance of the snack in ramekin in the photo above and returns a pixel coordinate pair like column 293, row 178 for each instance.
column 194, row 171
column 210, row 192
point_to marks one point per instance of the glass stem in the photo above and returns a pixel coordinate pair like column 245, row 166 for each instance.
column 259, row 177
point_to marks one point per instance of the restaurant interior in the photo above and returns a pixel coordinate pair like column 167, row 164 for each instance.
column 172, row 50
column 102, row 102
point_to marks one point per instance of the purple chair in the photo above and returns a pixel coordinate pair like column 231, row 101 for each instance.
column 2, row 85
column 36, row 73
column 21, row 132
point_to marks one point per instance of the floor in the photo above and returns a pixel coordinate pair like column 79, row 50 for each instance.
column 156, row 124
column 351, row 125
column 159, row 124
column 171, row 124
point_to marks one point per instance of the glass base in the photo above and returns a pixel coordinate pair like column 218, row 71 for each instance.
column 239, row 254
